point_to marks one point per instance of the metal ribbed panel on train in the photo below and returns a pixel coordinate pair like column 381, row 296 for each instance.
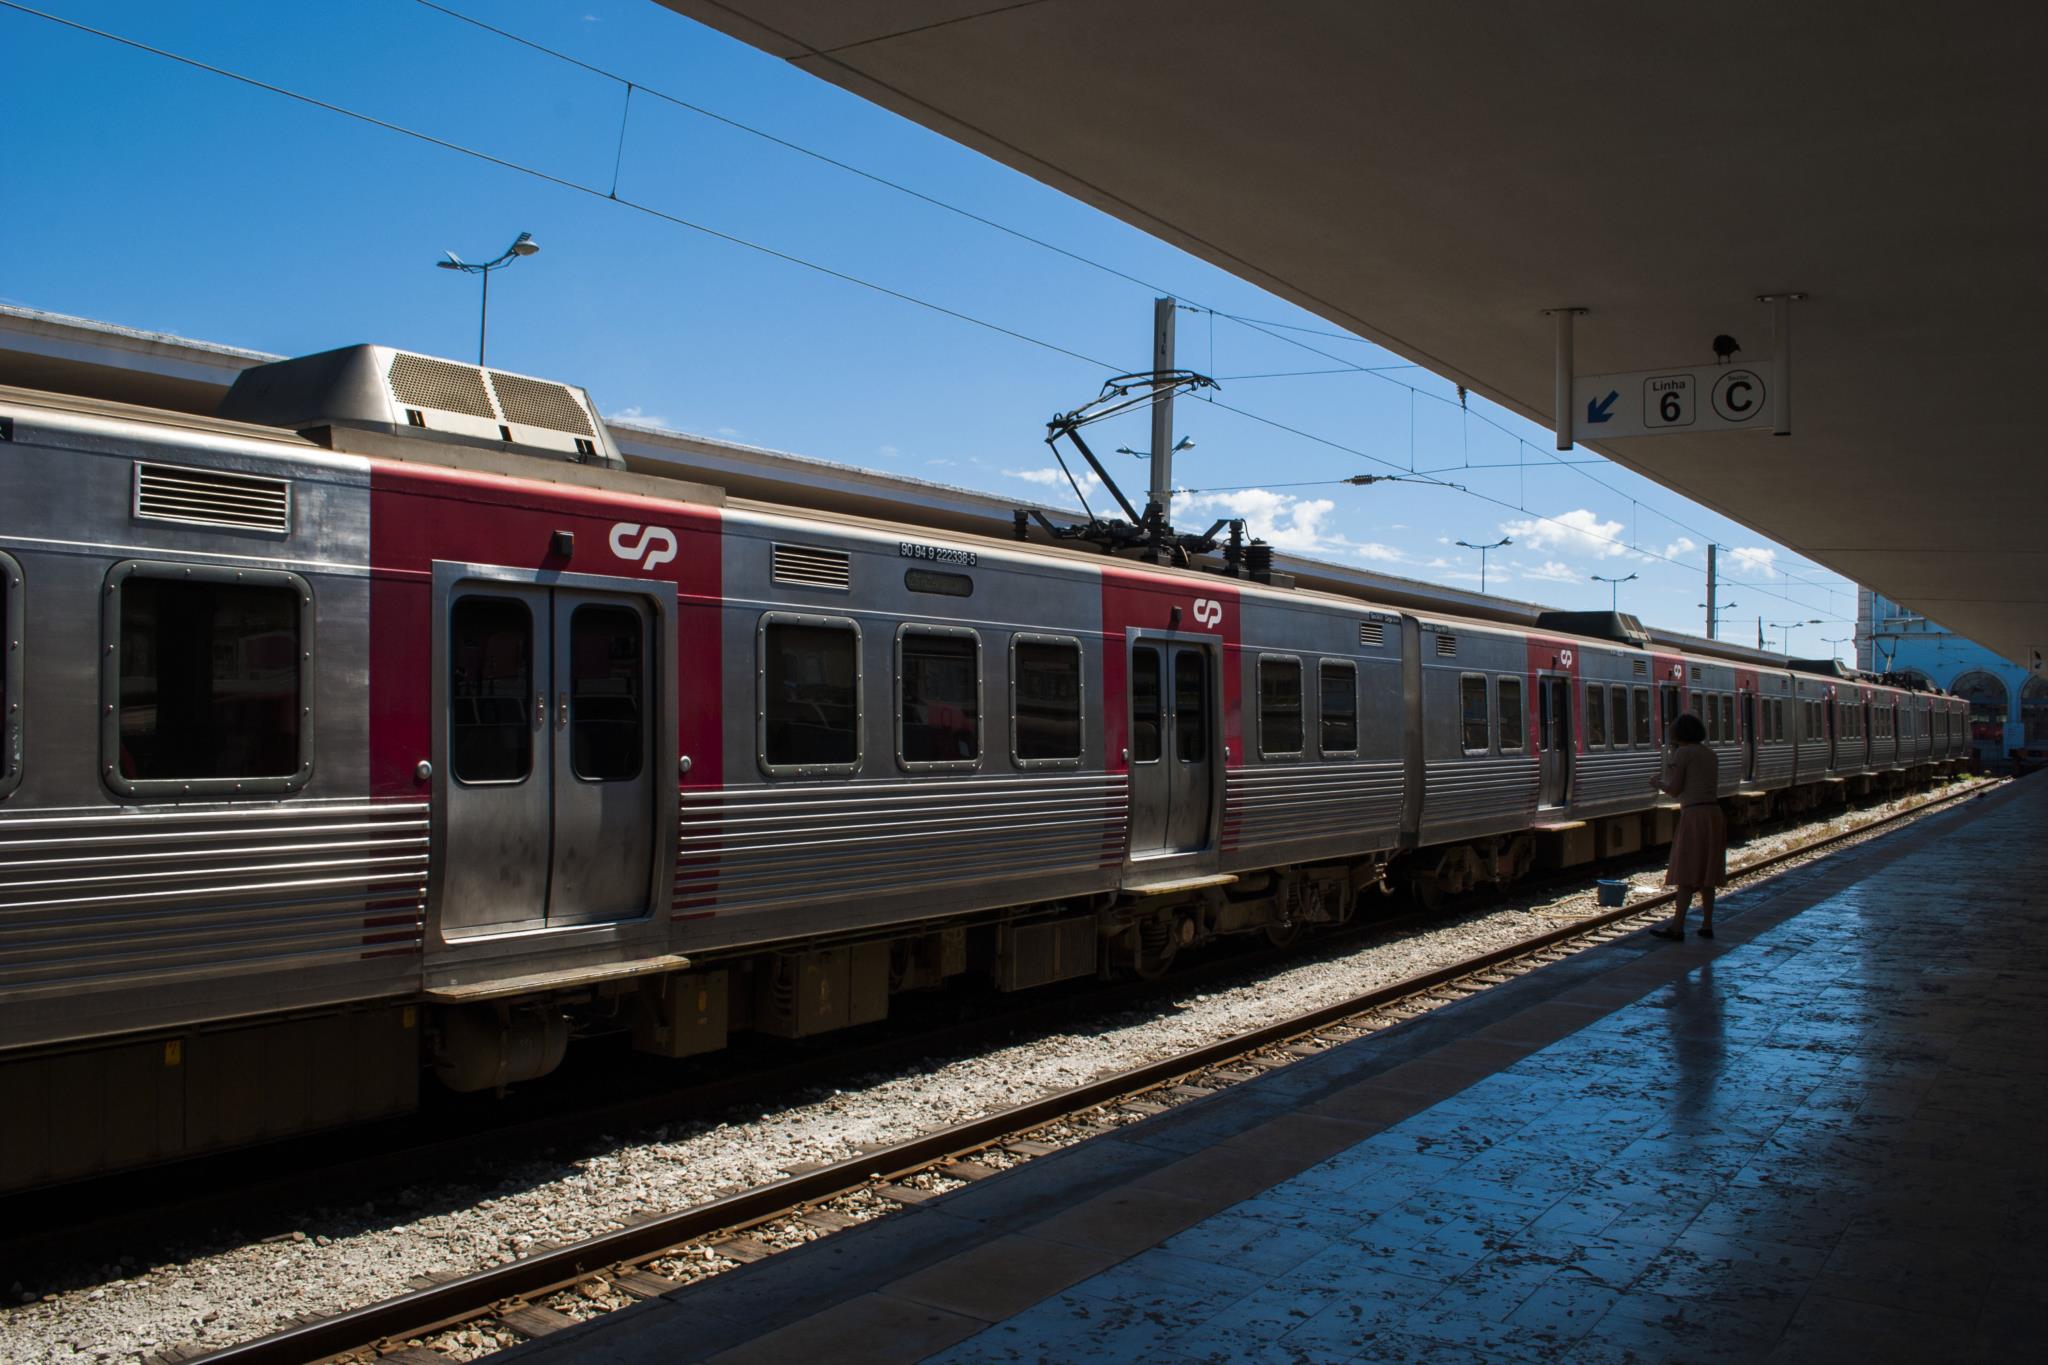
column 758, row 848
column 132, row 901
column 1354, row 807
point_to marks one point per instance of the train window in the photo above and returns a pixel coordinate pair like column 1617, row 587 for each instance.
column 1191, row 706
column 1728, row 732
column 1472, row 712
column 1280, row 728
column 1147, row 714
column 490, row 690
column 1668, row 700
column 1617, row 698
column 1337, row 690
column 1642, row 699
column 938, row 696
column 1710, row 715
column 810, row 693
column 206, row 692
column 1509, row 692
column 11, row 653
column 607, row 694
column 1596, row 716
column 1045, row 699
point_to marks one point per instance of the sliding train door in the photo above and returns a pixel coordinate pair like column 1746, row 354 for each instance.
column 549, row 722
column 1554, row 739
column 1172, row 696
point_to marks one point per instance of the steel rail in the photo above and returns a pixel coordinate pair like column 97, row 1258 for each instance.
column 452, row 1301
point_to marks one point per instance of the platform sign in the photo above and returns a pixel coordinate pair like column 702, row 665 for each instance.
column 1679, row 398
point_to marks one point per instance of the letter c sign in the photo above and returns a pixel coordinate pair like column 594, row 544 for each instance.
column 1208, row 611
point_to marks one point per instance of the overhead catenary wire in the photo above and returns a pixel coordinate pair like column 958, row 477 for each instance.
column 1268, row 327
column 611, row 196
column 549, row 177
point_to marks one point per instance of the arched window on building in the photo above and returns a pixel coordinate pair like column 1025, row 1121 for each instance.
column 2034, row 711
column 1989, row 707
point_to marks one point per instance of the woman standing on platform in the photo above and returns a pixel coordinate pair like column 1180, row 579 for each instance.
column 1699, row 850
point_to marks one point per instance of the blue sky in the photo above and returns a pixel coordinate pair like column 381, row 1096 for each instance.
column 158, row 196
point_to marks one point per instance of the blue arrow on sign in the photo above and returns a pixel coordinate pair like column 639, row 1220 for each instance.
column 1603, row 409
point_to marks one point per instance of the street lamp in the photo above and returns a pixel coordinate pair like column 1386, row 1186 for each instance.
column 1614, row 588
column 1785, row 641
column 1184, row 443
column 523, row 245
column 1483, row 552
column 1714, row 626
column 1838, row 640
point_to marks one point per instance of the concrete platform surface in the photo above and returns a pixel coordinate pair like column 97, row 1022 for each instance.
column 1815, row 1138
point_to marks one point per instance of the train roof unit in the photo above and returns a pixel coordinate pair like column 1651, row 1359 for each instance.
column 336, row 396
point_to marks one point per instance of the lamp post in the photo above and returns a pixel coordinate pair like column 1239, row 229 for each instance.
column 1614, row 588
column 1723, row 609
column 1184, row 443
column 1484, row 550
column 523, row 245
column 1838, row 641
column 1785, row 640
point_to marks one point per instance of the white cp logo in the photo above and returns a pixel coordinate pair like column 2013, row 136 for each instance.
column 630, row 540
column 1208, row 611
column 1564, row 657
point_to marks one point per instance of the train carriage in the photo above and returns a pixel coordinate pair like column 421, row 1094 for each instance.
column 389, row 726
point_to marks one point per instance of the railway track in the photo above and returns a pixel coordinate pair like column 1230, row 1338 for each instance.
column 620, row 1266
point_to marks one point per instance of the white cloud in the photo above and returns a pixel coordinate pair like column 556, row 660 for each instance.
column 1284, row 521
column 1682, row 546
column 637, row 417
column 728, row 431
column 887, row 452
column 1552, row 571
column 1754, row 560
column 1052, row 478
column 942, row 464
column 1579, row 531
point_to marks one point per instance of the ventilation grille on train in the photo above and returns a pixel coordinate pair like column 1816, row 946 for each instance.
column 538, row 403
column 811, row 567
column 1446, row 645
column 208, row 497
column 420, row 381
column 1372, row 633
column 1642, row 668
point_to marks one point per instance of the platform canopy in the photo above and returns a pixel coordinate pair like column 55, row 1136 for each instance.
column 1433, row 175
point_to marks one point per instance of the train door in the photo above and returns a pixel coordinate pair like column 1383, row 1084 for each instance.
column 1554, row 740
column 548, row 745
column 1749, row 736
column 1834, row 738
column 1173, row 727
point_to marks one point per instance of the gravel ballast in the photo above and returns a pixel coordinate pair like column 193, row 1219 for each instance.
column 220, row 1292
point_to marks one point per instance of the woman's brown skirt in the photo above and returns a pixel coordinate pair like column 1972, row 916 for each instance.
column 1699, row 850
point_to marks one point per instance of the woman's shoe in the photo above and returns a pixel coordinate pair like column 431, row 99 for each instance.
column 1666, row 931
column 1706, row 931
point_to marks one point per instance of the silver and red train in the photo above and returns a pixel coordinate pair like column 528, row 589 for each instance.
column 388, row 724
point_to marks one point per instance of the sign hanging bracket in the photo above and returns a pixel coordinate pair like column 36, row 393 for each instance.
column 1564, row 318
column 1781, row 339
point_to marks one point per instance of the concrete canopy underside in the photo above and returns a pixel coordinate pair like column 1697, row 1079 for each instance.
column 1433, row 175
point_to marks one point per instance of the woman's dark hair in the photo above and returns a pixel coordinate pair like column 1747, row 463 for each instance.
column 1687, row 729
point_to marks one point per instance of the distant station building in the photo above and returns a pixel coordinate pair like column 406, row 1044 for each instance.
column 2008, row 703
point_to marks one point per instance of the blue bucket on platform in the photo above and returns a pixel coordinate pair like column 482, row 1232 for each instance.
column 1613, row 893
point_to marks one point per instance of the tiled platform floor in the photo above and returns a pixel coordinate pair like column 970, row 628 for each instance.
column 1817, row 1138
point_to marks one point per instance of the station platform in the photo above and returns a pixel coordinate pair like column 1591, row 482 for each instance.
column 1816, row 1137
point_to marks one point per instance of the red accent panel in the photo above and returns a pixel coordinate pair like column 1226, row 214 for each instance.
column 1547, row 655
column 1135, row 600
column 1669, row 668
column 419, row 514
